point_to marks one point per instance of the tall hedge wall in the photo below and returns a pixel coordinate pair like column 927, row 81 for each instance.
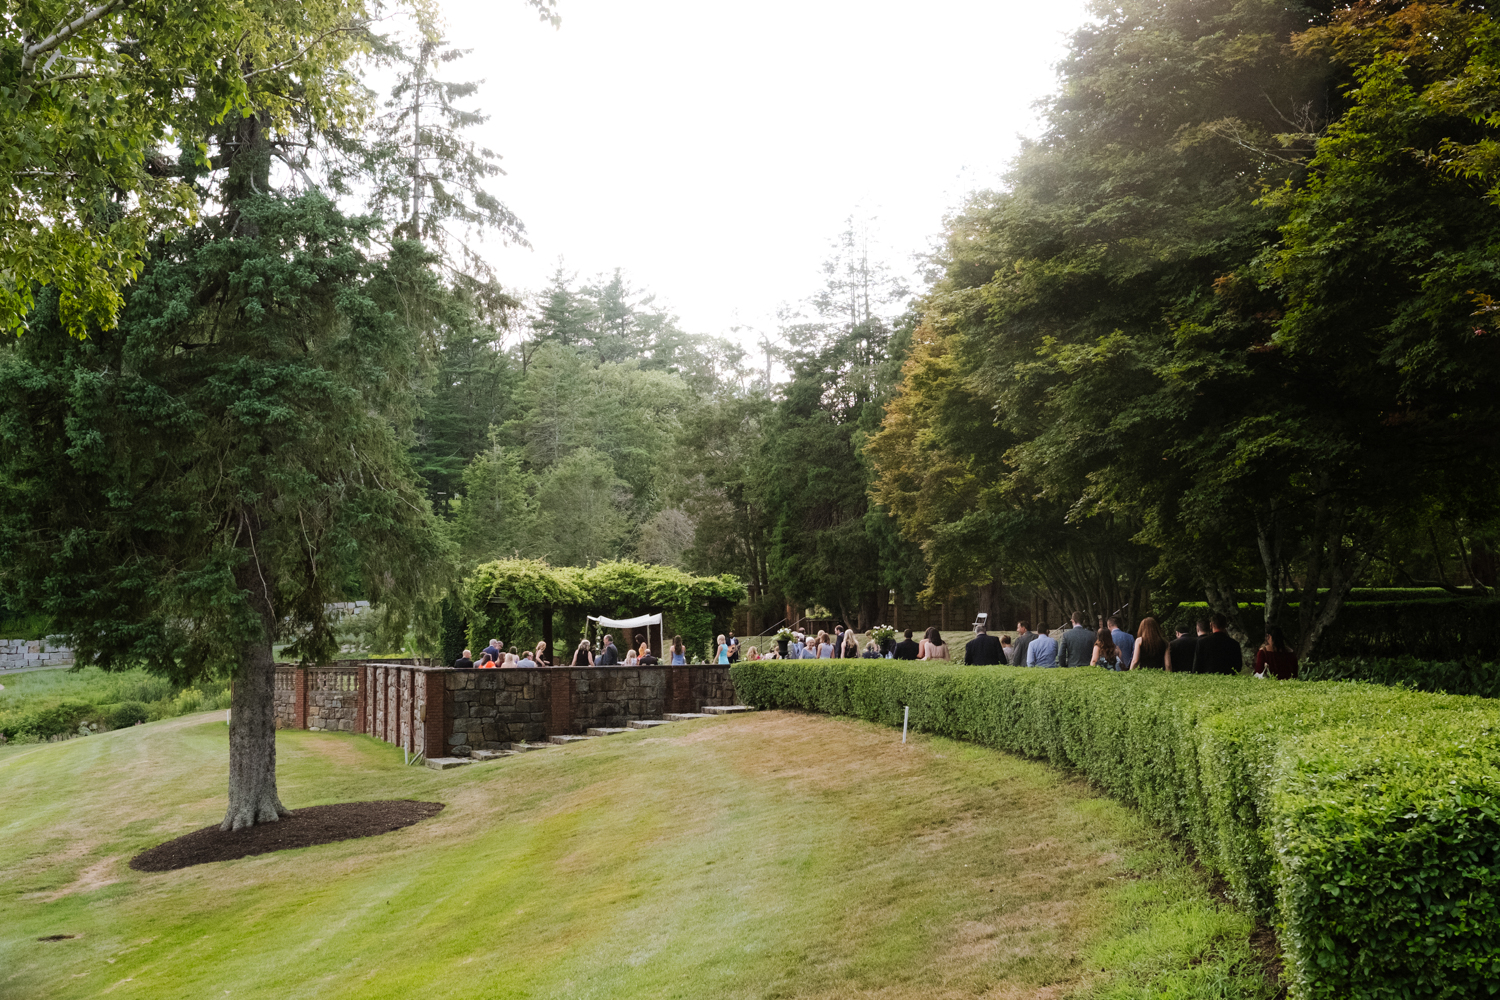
column 1432, row 628
column 1363, row 820
column 1441, row 676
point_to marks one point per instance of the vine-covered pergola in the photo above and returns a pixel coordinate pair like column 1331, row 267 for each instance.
column 524, row 600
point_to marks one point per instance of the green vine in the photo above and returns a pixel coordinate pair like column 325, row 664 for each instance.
column 510, row 598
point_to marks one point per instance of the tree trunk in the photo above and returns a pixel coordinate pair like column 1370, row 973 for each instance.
column 252, row 714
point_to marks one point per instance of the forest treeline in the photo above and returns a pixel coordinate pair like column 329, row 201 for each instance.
column 1225, row 332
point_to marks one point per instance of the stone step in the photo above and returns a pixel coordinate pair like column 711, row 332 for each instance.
column 524, row 747
column 563, row 741
column 606, row 731
column 686, row 716
column 447, row 763
column 727, row 709
column 647, row 723
column 490, row 754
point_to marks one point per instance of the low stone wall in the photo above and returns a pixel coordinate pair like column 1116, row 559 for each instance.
column 18, row 653
column 457, row 711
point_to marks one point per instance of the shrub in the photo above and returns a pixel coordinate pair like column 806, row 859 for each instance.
column 126, row 713
column 1441, row 628
column 44, row 721
column 1363, row 820
column 1440, row 676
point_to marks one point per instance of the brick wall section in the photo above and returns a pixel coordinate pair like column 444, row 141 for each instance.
column 458, row 711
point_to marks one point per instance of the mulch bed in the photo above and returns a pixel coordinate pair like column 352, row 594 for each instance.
column 303, row 828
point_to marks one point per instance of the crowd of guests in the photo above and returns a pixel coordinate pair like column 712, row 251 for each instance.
column 843, row 644
column 495, row 656
column 1205, row 647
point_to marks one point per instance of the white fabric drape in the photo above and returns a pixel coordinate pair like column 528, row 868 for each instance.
column 625, row 622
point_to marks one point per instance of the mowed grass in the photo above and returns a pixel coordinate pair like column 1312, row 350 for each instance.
column 769, row 855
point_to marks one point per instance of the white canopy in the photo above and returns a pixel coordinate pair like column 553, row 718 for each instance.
column 626, row 622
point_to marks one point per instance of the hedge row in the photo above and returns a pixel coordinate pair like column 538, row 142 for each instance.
column 1440, row 676
column 1363, row 820
column 1445, row 628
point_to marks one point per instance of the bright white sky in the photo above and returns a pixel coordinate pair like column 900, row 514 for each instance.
column 714, row 150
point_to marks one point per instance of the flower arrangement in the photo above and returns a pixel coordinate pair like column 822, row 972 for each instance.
column 882, row 634
column 785, row 635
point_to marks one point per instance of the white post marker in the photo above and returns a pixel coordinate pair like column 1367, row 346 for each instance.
column 905, row 715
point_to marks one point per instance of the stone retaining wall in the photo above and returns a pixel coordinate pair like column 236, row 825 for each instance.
column 455, row 712
column 18, row 653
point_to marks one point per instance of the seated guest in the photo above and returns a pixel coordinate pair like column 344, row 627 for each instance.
column 648, row 659
column 872, row 651
column 906, row 649
column 851, row 646
column 526, row 660
column 511, row 659
column 631, row 659
column 463, row 662
column 772, row 653
column 486, row 661
column 753, row 653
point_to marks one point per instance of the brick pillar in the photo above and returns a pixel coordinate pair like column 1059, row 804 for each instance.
column 299, row 698
column 434, row 716
column 361, row 706
column 560, row 683
column 681, row 697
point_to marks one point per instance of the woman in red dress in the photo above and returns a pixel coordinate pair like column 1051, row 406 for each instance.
column 1276, row 657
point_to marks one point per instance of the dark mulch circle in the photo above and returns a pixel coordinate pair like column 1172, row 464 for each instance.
column 303, row 828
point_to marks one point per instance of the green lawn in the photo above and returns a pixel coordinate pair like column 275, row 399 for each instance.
column 771, row 855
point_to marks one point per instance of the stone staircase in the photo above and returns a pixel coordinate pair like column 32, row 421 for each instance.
column 553, row 742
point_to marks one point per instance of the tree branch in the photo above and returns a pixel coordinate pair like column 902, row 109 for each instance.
column 30, row 54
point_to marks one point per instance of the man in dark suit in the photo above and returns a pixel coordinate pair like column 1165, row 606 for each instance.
column 1076, row 648
column 1218, row 653
column 463, row 662
column 906, row 649
column 1182, row 650
column 983, row 650
column 609, row 656
column 1024, row 635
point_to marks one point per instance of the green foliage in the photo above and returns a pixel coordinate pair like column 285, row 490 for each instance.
column 34, row 626
column 46, row 703
column 1363, row 819
column 86, row 102
column 159, row 474
column 1470, row 677
column 507, row 599
column 1442, row 628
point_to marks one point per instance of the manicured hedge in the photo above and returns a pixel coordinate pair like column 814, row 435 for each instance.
column 1440, row 628
column 1440, row 676
column 1363, row 820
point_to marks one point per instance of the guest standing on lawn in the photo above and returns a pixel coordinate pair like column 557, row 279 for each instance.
column 1077, row 644
column 723, row 655
column 851, row 645
column 1024, row 635
column 1123, row 639
column 1150, row 647
column 581, row 657
column 1275, row 657
column 1106, row 653
column 934, row 648
column 1218, row 652
column 1007, row 650
column 1182, row 650
column 983, row 650
column 679, row 652
column 1041, row 651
